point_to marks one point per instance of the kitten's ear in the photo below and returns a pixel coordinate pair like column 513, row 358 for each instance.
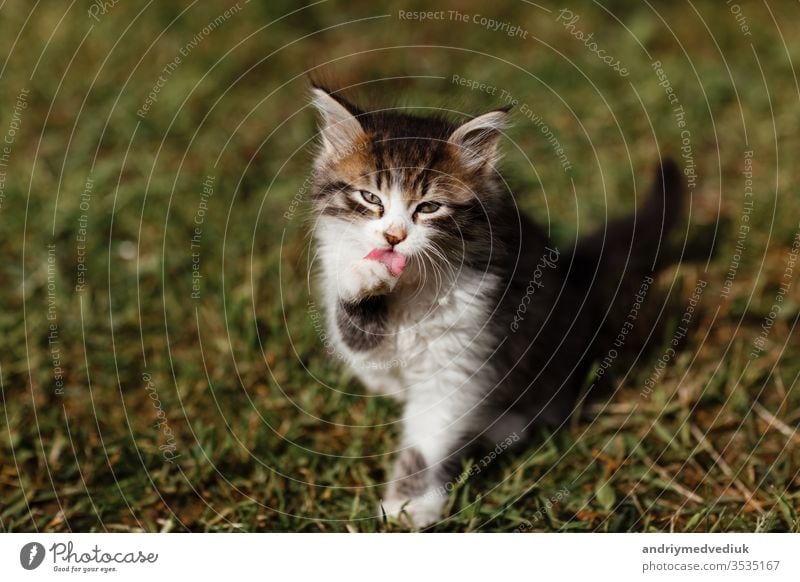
column 477, row 139
column 340, row 129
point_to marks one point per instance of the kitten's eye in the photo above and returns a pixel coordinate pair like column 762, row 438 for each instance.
column 427, row 208
column 370, row 197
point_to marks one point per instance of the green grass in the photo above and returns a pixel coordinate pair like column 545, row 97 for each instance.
column 272, row 434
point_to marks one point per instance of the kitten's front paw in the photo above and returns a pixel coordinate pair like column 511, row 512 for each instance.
column 417, row 512
column 365, row 278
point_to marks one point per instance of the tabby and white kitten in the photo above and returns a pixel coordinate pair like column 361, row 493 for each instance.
column 439, row 293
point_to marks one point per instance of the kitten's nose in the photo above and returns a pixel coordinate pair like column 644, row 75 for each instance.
column 395, row 234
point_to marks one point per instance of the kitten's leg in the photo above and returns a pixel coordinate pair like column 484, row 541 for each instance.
column 358, row 304
column 362, row 279
column 437, row 427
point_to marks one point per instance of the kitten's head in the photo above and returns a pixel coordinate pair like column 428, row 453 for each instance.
column 418, row 186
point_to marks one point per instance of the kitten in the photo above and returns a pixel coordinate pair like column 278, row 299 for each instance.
column 441, row 294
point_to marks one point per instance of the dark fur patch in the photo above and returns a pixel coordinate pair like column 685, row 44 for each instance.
column 344, row 205
column 362, row 324
column 466, row 222
column 329, row 189
column 410, row 474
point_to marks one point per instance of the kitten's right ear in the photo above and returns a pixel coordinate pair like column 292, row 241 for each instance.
column 339, row 128
column 477, row 140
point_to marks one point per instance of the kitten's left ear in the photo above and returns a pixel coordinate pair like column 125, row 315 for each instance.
column 477, row 139
column 340, row 128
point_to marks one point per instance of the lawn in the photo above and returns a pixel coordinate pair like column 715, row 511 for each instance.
column 164, row 366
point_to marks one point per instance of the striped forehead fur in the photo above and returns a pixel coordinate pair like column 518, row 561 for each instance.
column 400, row 150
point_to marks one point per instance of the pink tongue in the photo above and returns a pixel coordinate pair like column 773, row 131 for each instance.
column 395, row 261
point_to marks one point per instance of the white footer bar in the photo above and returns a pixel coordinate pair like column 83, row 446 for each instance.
column 402, row 557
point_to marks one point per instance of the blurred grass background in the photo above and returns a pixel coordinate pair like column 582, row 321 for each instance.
column 223, row 411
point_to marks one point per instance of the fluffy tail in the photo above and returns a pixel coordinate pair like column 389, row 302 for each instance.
column 609, row 266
